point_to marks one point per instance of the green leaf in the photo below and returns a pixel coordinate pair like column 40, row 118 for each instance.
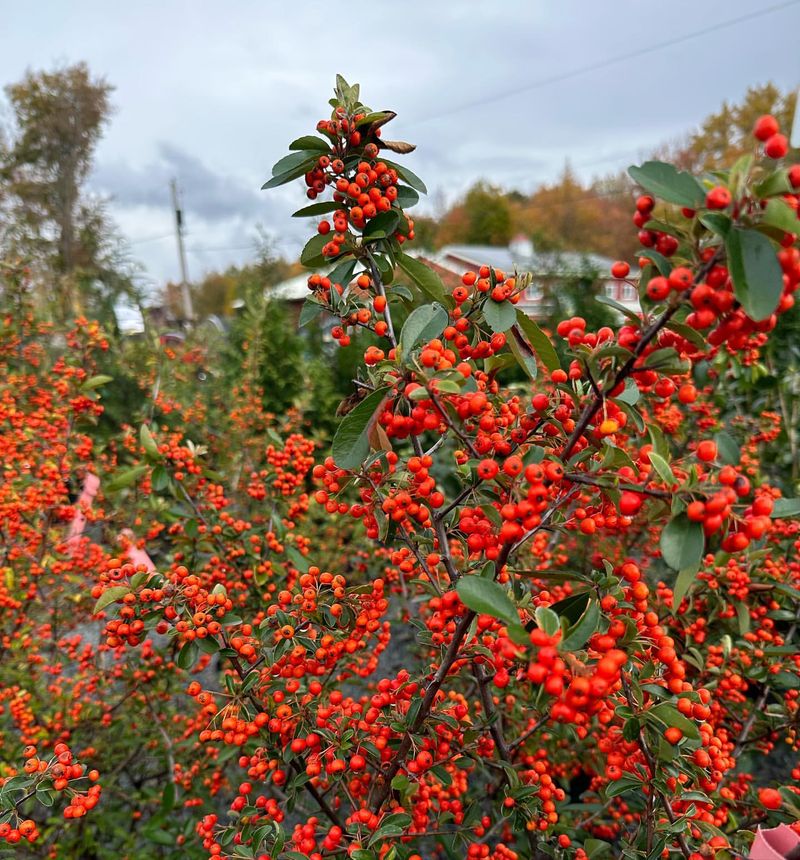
column 311, row 255
column 776, row 183
column 45, row 796
column 682, row 543
column 755, row 271
column 391, row 826
column 785, row 508
column 717, row 223
column 683, row 582
column 109, row 596
column 743, row 617
column 96, row 381
column 630, row 394
column 662, row 467
column 572, row 607
column 343, row 272
column 781, row 215
column 659, row 261
column 547, row 620
column 500, row 316
column 671, row 716
column 311, row 310
column 406, row 197
column 577, row 635
column 310, row 142
column 293, row 161
column 423, row 324
column 541, row 343
column 188, row 655
column 623, row 786
column 316, row 209
column 729, row 451
column 523, row 352
column 351, row 442
column 596, row 848
column 159, row 478
column 668, row 183
column 300, row 164
column 148, row 443
column 125, row 479
column 407, row 176
column 613, row 303
column 382, row 225
column 423, row 276
column 487, row 597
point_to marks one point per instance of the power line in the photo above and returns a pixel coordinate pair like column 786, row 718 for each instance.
column 198, row 250
column 608, row 61
column 150, row 239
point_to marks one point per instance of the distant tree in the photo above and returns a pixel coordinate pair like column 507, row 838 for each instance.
column 426, row 232
column 267, row 351
column 726, row 135
column 58, row 118
column 483, row 217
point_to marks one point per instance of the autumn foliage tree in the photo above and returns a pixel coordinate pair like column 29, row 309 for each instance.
column 592, row 580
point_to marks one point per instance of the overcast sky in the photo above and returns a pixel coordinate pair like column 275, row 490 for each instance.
column 211, row 93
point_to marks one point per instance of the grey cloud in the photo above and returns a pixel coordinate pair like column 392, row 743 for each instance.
column 208, row 194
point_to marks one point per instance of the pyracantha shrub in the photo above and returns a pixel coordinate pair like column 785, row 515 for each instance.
column 499, row 619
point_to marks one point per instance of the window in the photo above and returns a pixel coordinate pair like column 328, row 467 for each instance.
column 533, row 292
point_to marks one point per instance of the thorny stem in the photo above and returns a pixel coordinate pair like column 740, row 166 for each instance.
column 651, row 764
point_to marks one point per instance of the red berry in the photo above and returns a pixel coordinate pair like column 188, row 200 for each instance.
column 707, row 450
column 765, row 127
column 777, row 146
column 620, row 269
column 718, row 198
column 770, row 798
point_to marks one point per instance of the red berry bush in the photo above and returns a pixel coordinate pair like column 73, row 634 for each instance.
column 540, row 598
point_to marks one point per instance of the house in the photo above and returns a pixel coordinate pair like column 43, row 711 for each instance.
column 546, row 269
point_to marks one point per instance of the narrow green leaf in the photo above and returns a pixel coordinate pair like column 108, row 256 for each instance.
column 351, row 443
column 109, row 596
column 188, row 655
column 586, row 626
column 311, row 310
column 96, row 381
column 407, row 176
column 683, row 583
column 729, row 451
column 612, row 303
column 125, row 479
column 541, row 343
column 499, row 316
column 779, row 214
column 669, row 715
column 487, row 597
column 662, row 467
column 786, row 508
column 717, row 223
column 311, row 255
column 682, row 543
column 668, row 183
column 423, row 276
column 547, row 620
column 755, row 271
column 523, row 352
column 310, row 142
column 316, row 209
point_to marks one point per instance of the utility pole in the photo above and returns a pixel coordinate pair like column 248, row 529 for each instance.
column 188, row 310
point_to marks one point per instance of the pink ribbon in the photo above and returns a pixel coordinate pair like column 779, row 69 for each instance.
column 774, row 843
column 91, row 485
